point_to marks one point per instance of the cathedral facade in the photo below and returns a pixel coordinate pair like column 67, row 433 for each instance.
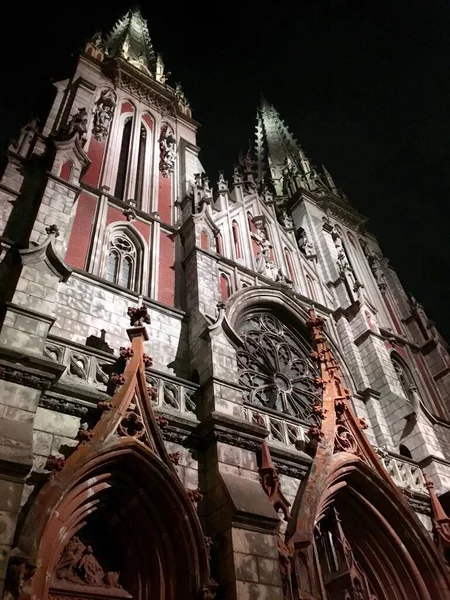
column 210, row 388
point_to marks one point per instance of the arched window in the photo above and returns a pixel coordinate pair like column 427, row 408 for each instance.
column 66, row 170
column 275, row 367
column 289, row 264
column 219, row 244
column 405, row 378
column 123, row 158
column 236, row 240
column 225, row 288
column 121, row 263
column 141, row 165
column 204, row 240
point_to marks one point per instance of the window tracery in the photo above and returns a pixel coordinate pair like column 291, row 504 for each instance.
column 121, row 263
column 276, row 370
column 405, row 378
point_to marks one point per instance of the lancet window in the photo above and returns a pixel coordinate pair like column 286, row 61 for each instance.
column 276, row 370
column 405, row 378
column 123, row 158
column 121, row 263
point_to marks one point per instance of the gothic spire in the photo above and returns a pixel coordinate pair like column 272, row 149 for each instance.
column 275, row 144
column 130, row 39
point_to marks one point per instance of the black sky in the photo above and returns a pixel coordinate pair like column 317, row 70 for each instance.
column 364, row 86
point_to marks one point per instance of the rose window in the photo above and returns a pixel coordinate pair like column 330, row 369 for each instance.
column 275, row 367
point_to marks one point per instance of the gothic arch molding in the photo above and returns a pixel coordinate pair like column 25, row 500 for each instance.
column 396, row 552
column 257, row 298
column 127, row 488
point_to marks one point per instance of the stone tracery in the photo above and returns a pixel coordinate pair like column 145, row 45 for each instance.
column 275, row 368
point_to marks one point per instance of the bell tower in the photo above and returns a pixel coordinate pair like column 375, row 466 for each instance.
column 119, row 145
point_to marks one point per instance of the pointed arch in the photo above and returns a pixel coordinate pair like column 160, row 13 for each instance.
column 290, row 264
column 225, row 287
column 404, row 376
column 236, row 240
column 396, row 553
column 115, row 483
column 125, row 256
column 124, row 155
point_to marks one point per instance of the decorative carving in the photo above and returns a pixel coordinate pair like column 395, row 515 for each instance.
column 138, row 316
column 304, row 244
column 67, row 407
column 52, row 230
column 54, row 352
column 103, row 114
column 145, row 94
column 167, row 150
column 132, row 425
column 374, row 261
column 39, row 382
column 175, row 458
column 189, row 403
column 171, row 395
column 264, row 263
column 180, row 96
column 270, row 482
column 79, row 565
column 130, row 213
column 285, row 219
column 275, row 368
column 77, row 124
column 55, row 463
column 194, row 495
column 78, row 366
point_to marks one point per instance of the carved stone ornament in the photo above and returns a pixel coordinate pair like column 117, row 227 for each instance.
column 264, row 263
column 275, row 367
column 304, row 244
column 167, row 151
column 24, row 378
column 78, row 565
column 77, row 124
column 103, row 114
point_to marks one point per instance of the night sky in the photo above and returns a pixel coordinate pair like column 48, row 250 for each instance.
column 363, row 85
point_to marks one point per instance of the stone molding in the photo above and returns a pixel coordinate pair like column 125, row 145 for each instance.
column 26, row 369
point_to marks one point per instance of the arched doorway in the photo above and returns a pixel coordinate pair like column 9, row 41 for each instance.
column 369, row 545
column 124, row 528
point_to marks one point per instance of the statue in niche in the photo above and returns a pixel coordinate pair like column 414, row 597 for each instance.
column 375, row 266
column 103, row 114
column 78, row 565
column 90, row 569
column 284, row 219
column 304, row 244
column 342, row 260
column 167, row 150
column 264, row 265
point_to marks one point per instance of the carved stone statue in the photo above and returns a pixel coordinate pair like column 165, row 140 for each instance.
column 103, row 114
column 90, row 569
column 285, row 219
column 304, row 244
column 78, row 124
column 79, row 566
column 264, row 265
column 167, row 150
column 375, row 266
